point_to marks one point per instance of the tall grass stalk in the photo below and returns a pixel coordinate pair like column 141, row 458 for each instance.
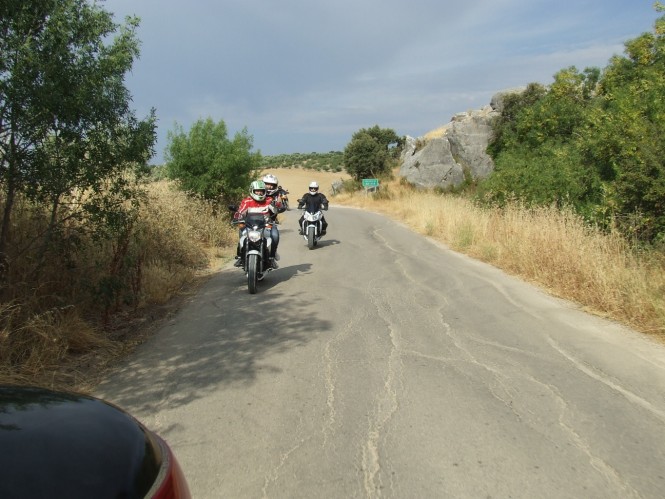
column 550, row 247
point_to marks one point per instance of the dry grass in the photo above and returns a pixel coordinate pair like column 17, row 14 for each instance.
column 51, row 348
column 437, row 132
column 546, row 246
column 182, row 236
column 53, row 330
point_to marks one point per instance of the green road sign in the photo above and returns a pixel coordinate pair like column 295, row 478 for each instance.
column 370, row 182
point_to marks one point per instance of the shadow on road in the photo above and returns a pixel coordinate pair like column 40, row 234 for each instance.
column 327, row 242
column 221, row 336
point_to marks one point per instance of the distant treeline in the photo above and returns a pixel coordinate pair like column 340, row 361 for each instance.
column 332, row 161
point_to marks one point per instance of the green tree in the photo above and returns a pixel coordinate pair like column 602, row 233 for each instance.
column 623, row 136
column 540, row 115
column 505, row 135
column 371, row 152
column 533, row 148
column 592, row 140
column 547, row 175
column 206, row 163
column 386, row 137
column 66, row 128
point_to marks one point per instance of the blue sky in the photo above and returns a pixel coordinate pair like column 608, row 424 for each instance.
column 304, row 75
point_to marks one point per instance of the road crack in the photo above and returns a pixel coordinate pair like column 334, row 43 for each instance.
column 387, row 400
column 330, row 365
column 274, row 475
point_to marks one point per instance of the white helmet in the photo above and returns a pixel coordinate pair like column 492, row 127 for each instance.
column 271, row 184
column 313, row 186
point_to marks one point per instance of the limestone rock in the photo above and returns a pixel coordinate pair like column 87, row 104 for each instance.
column 469, row 137
column 432, row 166
column 456, row 151
column 499, row 98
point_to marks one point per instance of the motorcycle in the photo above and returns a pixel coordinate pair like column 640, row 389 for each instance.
column 311, row 226
column 255, row 245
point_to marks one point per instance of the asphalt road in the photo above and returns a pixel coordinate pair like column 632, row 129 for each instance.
column 381, row 364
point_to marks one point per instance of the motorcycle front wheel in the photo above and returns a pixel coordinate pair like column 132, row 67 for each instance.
column 310, row 237
column 252, row 273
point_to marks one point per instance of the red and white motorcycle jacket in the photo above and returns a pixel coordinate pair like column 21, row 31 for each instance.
column 249, row 205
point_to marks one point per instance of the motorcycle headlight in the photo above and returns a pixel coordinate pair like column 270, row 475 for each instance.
column 254, row 236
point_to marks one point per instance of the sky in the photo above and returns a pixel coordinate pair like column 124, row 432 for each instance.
column 304, row 75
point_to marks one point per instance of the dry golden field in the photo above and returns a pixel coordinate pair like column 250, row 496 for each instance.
column 296, row 180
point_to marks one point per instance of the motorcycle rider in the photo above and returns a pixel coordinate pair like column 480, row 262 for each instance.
column 273, row 190
column 314, row 201
column 259, row 202
column 284, row 196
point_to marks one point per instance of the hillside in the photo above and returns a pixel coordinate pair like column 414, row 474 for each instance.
column 328, row 162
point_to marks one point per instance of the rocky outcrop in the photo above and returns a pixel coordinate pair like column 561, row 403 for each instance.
column 432, row 165
column 469, row 137
column 458, row 150
column 498, row 99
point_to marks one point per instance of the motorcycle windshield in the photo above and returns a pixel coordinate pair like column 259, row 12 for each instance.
column 255, row 220
column 312, row 204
